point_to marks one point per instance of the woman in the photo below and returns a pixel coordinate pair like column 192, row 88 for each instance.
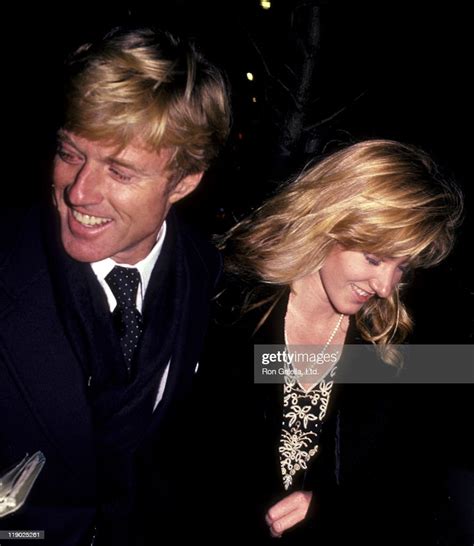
column 324, row 263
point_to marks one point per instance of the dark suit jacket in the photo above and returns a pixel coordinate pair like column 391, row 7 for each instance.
column 43, row 389
column 370, row 476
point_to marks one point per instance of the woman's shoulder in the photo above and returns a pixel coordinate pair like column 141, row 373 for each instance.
column 242, row 304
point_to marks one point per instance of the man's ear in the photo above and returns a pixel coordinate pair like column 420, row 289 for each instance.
column 185, row 186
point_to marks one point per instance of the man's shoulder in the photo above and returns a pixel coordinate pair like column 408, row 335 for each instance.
column 21, row 251
column 199, row 252
column 13, row 223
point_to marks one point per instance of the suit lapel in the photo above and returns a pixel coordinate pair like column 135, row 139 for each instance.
column 191, row 307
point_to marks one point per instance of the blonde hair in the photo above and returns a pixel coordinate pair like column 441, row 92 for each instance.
column 149, row 84
column 376, row 196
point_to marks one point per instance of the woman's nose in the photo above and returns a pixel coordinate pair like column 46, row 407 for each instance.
column 385, row 280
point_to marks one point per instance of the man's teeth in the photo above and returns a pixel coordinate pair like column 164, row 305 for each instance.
column 361, row 292
column 87, row 220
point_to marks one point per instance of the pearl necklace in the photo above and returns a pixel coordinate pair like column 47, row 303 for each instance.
column 330, row 338
column 322, row 352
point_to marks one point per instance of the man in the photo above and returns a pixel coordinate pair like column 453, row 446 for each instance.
column 103, row 307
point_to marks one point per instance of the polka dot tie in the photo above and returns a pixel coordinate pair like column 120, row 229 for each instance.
column 123, row 282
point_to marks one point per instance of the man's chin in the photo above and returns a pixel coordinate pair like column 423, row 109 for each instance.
column 82, row 252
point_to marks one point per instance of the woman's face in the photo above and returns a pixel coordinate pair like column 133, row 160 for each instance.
column 350, row 278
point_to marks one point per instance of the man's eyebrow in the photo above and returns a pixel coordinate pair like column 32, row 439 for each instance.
column 111, row 160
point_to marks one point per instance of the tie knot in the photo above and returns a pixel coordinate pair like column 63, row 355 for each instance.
column 123, row 282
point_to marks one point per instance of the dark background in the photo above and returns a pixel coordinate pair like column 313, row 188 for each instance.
column 389, row 72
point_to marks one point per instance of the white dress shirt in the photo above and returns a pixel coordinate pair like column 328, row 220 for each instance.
column 145, row 267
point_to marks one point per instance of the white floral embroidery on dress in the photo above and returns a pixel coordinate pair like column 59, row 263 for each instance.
column 303, row 413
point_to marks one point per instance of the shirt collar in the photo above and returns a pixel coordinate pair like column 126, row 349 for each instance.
column 145, row 267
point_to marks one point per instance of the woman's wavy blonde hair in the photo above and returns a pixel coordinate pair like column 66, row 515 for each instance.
column 148, row 84
column 376, row 196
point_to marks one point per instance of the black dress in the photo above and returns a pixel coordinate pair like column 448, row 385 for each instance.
column 371, row 478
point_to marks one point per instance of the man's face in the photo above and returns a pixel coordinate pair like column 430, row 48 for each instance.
column 112, row 205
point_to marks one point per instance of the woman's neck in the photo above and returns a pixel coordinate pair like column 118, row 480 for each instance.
column 310, row 317
column 308, row 300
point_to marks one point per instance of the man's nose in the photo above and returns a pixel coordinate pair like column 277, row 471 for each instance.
column 85, row 188
column 385, row 280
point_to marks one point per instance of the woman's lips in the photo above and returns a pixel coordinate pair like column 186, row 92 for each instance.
column 360, row 294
